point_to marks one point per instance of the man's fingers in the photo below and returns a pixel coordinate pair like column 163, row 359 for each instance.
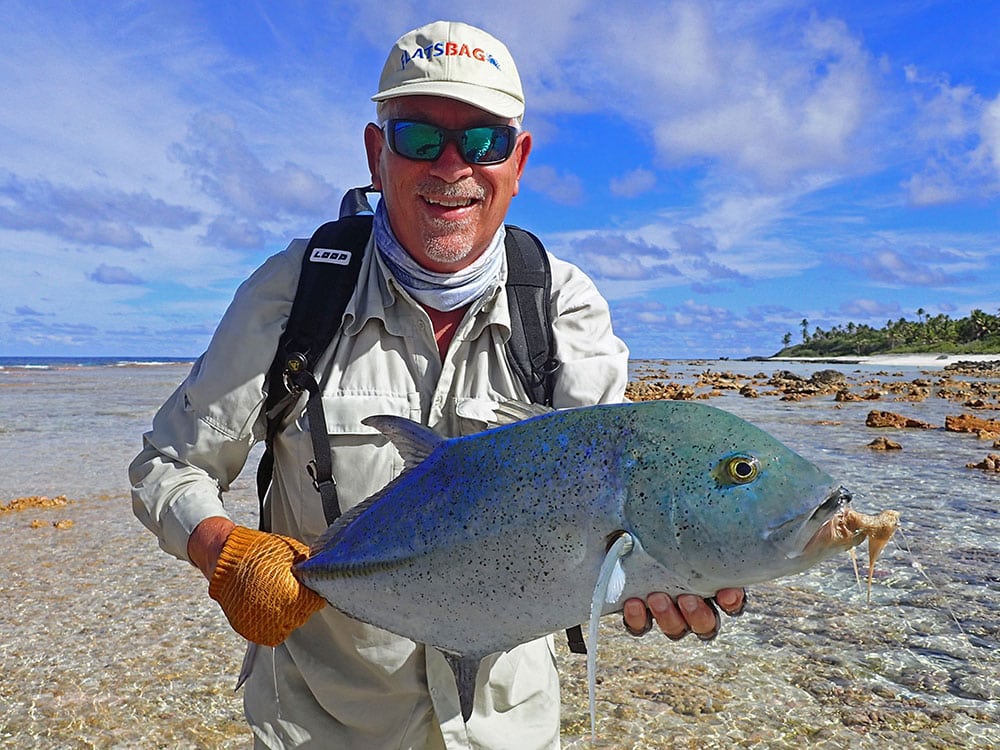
column 689, row 614
column 732, row 601
column 636, row 617
column 668, row 616
column 700, row 615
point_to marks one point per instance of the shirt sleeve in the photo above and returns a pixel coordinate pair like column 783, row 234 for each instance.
column 593, row 360
column 201, row 436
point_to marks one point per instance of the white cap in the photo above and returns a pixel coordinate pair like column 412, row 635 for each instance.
column 456, row 61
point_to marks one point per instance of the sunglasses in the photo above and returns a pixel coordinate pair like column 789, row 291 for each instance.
column 421, row 141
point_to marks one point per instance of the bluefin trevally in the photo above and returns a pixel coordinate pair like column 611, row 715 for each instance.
column 531, row 527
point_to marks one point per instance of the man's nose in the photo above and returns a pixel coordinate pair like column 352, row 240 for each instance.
column 450, row 166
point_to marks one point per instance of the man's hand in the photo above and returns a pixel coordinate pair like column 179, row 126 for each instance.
column 250, row 576
column 689, row 614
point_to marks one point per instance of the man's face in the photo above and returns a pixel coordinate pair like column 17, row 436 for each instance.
column 443, row 212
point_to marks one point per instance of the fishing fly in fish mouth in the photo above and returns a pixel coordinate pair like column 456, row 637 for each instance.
column 619, row 501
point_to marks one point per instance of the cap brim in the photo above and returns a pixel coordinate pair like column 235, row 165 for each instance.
column 492, row 101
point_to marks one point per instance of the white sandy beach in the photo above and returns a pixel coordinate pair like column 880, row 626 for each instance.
column 928, row 360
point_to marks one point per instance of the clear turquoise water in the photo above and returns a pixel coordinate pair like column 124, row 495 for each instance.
column 107, row 642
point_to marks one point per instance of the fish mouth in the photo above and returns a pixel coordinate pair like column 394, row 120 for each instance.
column 847, row 528
column 817, row 530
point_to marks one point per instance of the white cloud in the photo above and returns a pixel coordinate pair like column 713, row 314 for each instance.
column 989, row 132
column 875, row 312
column 957, row 132
column 222, row 164
column 105, row 274
column 633, row 183
column 618, row 257
column 771, row 99
column 561, row 186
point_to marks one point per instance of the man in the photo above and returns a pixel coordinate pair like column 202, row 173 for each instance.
column 423, row 337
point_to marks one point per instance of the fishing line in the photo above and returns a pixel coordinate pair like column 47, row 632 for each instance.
column 915, row 564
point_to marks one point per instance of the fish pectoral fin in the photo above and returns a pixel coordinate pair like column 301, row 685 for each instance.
column 413, row 441
column 465, row 669
column 616, row 583
column 609, row 588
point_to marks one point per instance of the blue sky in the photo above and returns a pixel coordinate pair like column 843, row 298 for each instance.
column 723, row 170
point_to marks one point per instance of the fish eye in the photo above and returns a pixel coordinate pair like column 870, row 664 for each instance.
column 742, row 469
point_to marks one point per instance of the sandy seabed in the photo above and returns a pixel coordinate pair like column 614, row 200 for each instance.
column 106, row 642
column 135, row 655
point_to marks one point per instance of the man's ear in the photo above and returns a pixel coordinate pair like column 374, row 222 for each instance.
column 520, row 155
column 374, row 143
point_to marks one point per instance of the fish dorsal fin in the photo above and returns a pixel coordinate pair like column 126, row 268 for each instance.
column 610, row 580
column 508, row 412
column 413, row 441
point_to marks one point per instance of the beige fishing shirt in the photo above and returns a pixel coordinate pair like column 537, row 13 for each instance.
column 336, row 682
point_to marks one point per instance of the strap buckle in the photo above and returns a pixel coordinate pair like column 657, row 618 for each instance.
column 318, row 483
column 295, row 364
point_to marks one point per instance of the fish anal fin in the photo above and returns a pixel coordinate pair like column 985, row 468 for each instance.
column 465, row 669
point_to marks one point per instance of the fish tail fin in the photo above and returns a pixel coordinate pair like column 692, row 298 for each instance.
column 247, row 666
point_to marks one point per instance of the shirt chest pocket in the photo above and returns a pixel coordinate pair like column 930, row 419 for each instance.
column 363, row 461
column 475, row 415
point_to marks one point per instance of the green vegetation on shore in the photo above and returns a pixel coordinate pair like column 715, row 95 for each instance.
column 979, row 333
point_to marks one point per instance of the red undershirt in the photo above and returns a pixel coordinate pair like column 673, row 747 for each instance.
column 445, row 324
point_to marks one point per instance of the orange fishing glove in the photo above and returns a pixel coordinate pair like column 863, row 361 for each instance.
column 253, row 583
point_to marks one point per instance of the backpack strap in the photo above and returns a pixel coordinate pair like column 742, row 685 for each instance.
column 530, row 349
column 330, row 268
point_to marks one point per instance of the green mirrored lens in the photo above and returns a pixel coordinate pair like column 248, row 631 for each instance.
column 487, row 145
column 417, row 140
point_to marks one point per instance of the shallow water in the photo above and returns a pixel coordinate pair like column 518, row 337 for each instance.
column 107, row 642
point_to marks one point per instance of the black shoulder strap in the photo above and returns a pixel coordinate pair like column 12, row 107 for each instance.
column 329, row 274
column 530, row 349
